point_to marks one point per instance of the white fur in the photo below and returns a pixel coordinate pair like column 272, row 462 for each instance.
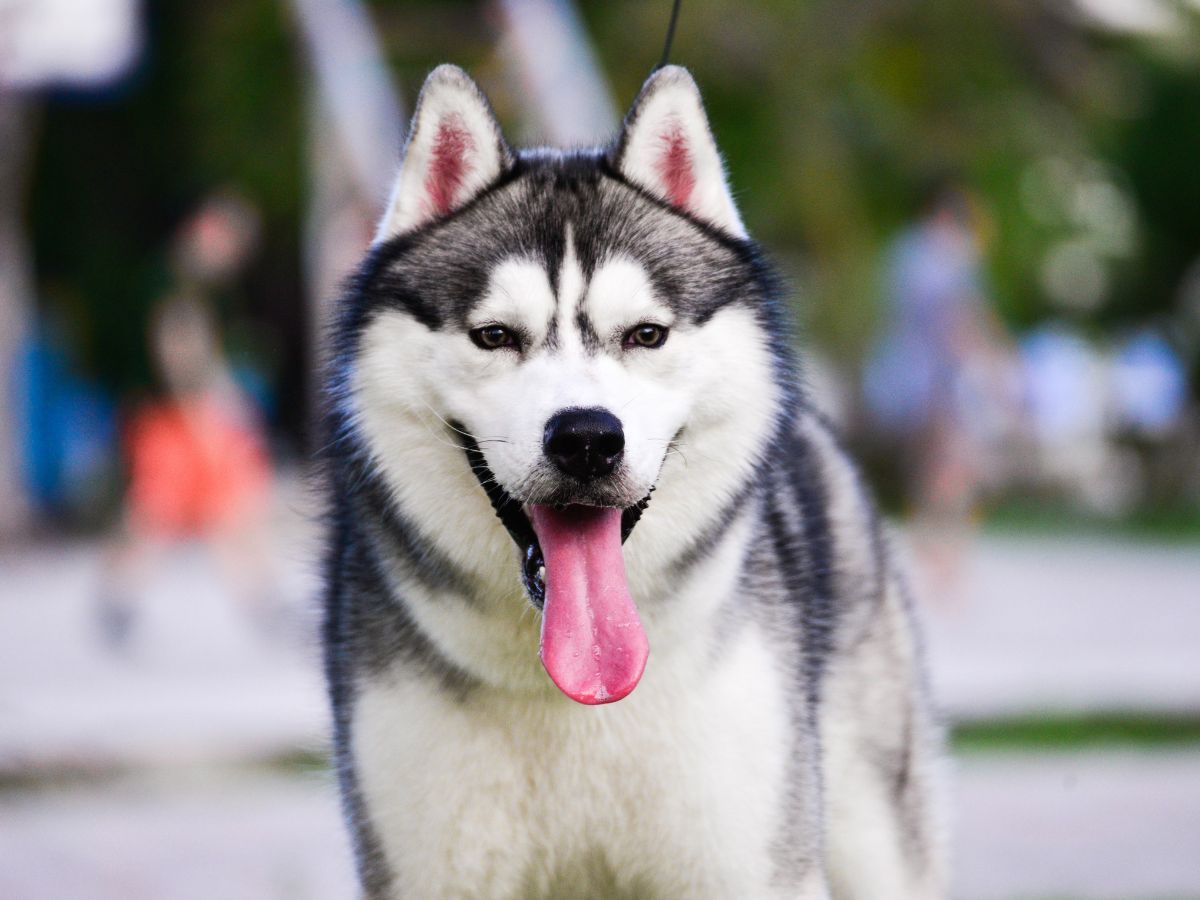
column 513, row 790
column 867, row 697
column 621, row 296
column 669, row 102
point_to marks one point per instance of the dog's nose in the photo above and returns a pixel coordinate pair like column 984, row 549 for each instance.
column 584, row 443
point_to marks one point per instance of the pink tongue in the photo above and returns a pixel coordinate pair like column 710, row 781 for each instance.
column 593, row 644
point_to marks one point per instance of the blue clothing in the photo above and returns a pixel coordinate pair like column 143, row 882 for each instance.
column 932, row 287
column 67, row 426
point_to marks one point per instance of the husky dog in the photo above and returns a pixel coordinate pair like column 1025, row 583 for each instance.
column 608, row 612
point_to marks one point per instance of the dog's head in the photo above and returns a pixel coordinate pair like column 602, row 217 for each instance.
column 558, row 335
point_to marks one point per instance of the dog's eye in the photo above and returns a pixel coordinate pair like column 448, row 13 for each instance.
column 646, row 335
column 493, row 337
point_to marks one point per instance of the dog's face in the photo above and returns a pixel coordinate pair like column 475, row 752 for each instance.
column 575, row 330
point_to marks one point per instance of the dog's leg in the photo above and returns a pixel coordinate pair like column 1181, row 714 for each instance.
column 881, row 753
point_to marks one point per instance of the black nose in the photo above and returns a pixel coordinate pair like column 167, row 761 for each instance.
column 584, row 443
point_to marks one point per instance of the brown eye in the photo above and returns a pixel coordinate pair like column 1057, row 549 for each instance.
column 493, row 337
column 646, row 335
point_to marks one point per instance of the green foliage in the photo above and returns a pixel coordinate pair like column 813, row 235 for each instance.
column 833, row 117
column 215, row 102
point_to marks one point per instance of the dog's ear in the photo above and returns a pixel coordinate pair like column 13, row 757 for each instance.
column 454, row 151
column 667, row 148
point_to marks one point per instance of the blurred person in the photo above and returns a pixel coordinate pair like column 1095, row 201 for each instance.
column 65, row 426
column 1065, row 394
column 1104, row 424
column 1151, row 414
column 1149, row 383
column 939, row 381
column 213, row 246
column 197, row 456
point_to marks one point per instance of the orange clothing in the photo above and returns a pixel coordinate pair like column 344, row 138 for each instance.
column 195, row 466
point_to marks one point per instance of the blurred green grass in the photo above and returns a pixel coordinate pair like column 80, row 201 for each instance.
column 1176, row 524
column 1072, row 733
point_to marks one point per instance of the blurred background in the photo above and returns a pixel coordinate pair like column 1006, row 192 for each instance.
column 989, row 215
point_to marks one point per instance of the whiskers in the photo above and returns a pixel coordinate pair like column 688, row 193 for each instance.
column 673, row 445
column 454, row 428
column 529, row 609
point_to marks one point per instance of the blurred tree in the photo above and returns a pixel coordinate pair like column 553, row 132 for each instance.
column 833, row 117
column 1080, row 144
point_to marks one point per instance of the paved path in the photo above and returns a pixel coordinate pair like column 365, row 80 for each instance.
column 187, row 836
column 1078, row 825
column 1099, row 826
column 197, row 682
column 1070, row 624
column 1048, row 625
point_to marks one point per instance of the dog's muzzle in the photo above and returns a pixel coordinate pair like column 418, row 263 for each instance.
column 513, row 517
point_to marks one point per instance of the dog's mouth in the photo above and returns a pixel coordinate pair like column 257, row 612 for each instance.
column 592, row 644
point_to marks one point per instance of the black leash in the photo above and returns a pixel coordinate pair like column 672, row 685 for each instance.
column 666, row 54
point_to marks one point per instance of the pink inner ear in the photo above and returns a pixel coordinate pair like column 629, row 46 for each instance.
column 448, row 168
column 674, row 167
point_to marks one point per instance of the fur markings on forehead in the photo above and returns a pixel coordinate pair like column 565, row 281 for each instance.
column 621, row 294
column 519, row 294
column 571, row 322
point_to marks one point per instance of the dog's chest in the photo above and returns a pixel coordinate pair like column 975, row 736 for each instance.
column 678, row 790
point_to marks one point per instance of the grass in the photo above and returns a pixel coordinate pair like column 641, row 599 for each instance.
column 1020, row 734
column 1025, row 734
column 1173, row 524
